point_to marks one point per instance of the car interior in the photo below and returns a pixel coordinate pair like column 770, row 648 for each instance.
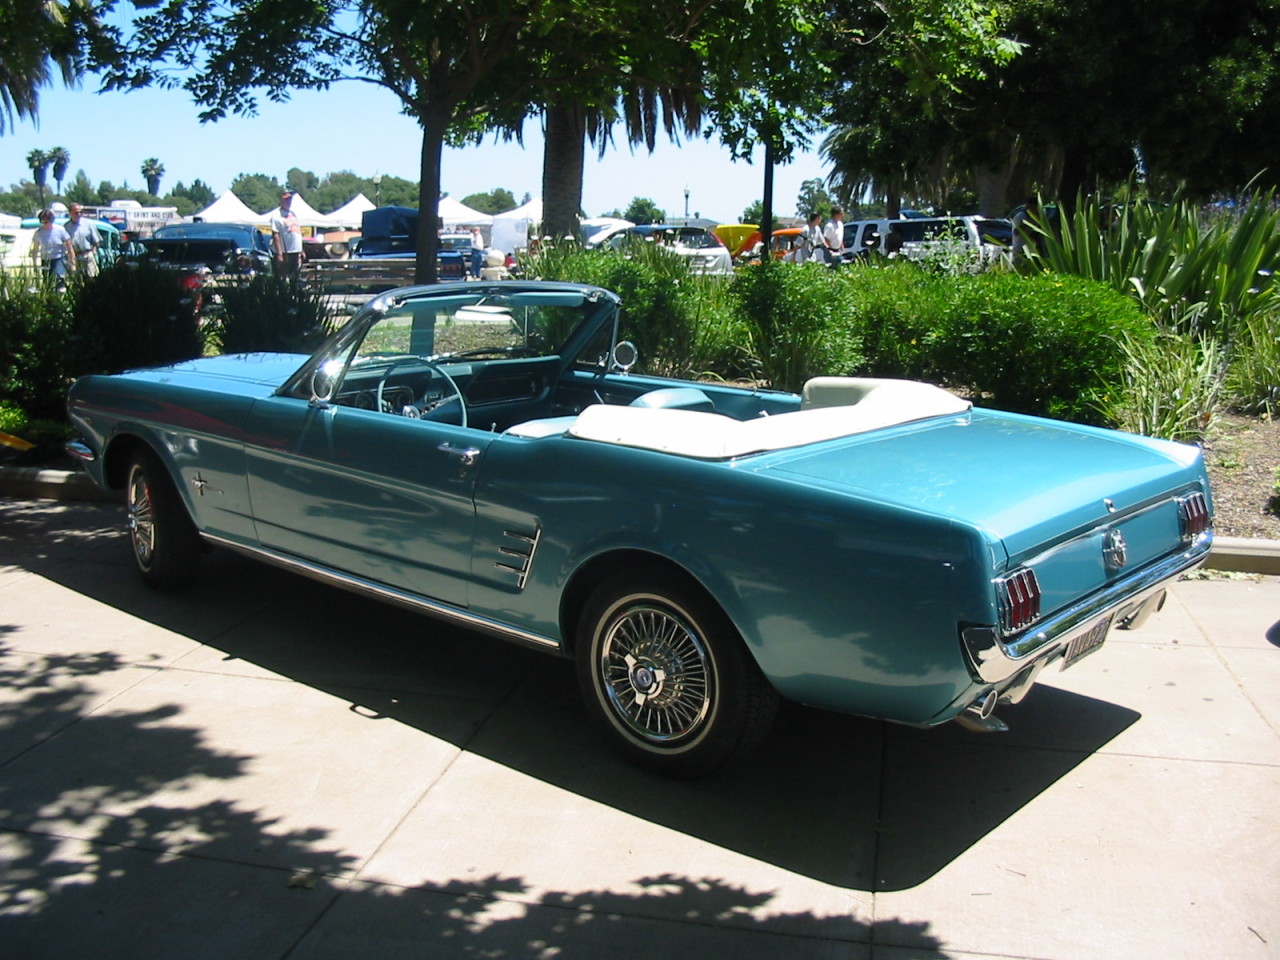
column 536, row 364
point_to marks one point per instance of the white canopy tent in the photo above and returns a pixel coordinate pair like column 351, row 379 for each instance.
column 229, row 208
column 456, row 214
column 350, row 215
column 511, row 229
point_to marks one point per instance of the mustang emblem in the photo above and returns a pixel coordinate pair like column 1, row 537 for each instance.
column 1115, row 551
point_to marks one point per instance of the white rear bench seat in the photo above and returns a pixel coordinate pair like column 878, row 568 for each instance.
column 713, row 436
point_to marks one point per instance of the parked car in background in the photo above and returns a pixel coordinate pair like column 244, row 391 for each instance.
column 208, row 249
column 920, row 235
column 485, row 453
column 392, row 232
column 706, row 252
column 206, row 256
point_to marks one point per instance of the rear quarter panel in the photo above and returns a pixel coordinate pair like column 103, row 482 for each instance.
column 844, row 602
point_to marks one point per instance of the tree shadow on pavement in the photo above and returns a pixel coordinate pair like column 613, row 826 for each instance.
column 109, row 861
column 848, row 801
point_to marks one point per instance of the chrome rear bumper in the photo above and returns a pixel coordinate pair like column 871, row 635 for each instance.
column 1128, row 601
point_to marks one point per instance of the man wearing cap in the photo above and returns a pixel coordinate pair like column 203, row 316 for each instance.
column 286, row 238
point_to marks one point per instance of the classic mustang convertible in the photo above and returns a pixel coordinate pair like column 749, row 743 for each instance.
column 483, row 452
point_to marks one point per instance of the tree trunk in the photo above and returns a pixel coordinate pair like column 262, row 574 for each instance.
column 892, row 203
column 427, row 241
column 766, row 202
column 564, row 146
column 993, row 190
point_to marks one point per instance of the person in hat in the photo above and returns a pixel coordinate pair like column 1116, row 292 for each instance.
column 286, row 238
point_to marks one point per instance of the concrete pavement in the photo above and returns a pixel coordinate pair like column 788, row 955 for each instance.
column 262, row 767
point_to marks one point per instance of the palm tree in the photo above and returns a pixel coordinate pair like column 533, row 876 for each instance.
column 153, row 170
column 38, row 37
column 38, row 161
column 60, row 157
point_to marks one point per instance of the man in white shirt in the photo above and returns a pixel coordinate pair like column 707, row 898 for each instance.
column 84, row 241
column 286, row 238
column 833, row 236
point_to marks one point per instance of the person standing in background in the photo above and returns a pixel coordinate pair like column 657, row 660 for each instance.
column 477, row 252
column 833, row 236
column 84, row 241
column 286, row 238
column 51, row 247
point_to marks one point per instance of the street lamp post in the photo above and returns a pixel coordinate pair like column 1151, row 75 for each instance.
column 686, row 201
column 377, row 189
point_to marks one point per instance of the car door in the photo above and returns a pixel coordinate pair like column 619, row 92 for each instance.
column 373, row 494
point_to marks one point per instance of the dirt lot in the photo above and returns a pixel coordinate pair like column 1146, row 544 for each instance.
column 1243, row 455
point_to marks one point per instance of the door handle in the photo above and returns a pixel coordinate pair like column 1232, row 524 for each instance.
column 468, row 455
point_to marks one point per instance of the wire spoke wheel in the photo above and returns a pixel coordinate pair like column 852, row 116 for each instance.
column 665, row 674
column 141, row 519
column 166, row 545
column 657, row 673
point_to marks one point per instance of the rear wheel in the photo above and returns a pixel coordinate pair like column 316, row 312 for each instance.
column 665, row 672
column 166, row 546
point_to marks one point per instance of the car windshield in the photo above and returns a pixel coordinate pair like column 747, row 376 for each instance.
column 520, row 324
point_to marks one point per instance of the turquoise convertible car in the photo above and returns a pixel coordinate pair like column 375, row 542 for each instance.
column 483, row 452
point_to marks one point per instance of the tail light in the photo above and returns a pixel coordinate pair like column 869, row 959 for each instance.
column 1019, row 597
column 192, row 282
column 1193, row 516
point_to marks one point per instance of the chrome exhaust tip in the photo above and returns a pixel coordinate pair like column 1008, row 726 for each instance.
column 979, row 716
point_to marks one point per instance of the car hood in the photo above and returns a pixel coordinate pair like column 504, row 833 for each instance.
column 1024, row 480
column 249, row 373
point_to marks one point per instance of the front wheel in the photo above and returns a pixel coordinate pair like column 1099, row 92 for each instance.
column 166, row 545
column 665, row 672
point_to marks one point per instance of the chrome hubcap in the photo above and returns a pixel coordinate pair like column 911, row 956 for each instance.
column 141, row 521
column 657, row 674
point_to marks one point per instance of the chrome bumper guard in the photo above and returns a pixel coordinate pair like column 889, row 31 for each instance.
column 1128, row 602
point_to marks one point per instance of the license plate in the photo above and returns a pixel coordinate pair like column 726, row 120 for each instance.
column 1087, row 642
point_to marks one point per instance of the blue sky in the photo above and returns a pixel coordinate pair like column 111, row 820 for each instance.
column 359, row 128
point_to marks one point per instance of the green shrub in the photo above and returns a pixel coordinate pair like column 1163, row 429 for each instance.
column 894, row 308
column 1171, row 386
column 1253, row 379
column 799, row 320
column 1039, row 344
column 271, row 314
column 680, row 321
column 1193, row 272
column 132, row 315
column 35, row 346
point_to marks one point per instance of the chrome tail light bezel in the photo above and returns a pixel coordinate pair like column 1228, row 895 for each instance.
column 1194, row 518
column 1018, row 597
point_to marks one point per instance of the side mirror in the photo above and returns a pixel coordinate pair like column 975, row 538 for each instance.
column 624, row 356
column 324, row 380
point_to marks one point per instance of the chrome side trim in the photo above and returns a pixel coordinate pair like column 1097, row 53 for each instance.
column 517, row 560
column 383, row 592
column 994, row 659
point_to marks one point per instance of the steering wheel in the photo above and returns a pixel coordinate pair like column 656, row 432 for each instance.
column 418, row 412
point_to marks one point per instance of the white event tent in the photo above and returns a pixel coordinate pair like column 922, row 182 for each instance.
column 511, row 229
column 454, row 213
column 350, row 216
column 229, row 208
